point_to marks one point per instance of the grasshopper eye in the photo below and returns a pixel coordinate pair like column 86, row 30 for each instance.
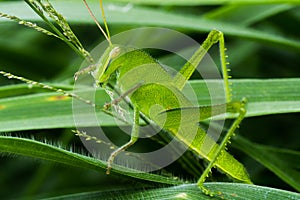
column 115, row 52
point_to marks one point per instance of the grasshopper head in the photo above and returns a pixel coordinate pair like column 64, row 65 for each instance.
column 103, row 71
column 100, row 75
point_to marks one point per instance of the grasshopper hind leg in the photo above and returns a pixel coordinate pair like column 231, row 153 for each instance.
column 218, row 36
column 242, row 112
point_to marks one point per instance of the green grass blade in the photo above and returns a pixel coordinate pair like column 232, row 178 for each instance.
column 232, row 191
column 24, row 89
column 50, row 110
column 151, row 17
column 32, row 148
column 43, row 110
column 203, row 2
column 284, row 163
column 246, row 14
column 265, row 96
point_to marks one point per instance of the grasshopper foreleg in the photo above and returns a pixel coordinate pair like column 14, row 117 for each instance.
column 122, row 96
column 85, row 71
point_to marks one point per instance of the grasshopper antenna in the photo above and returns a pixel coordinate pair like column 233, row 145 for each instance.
column 104, row 19
column 106, row 34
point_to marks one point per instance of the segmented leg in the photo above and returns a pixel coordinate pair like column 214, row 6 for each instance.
column 133, row 138
column 117, row 100
column 214, row 37
column 84, row 71
column 230, row 133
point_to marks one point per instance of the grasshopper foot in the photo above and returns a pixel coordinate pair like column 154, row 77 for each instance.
column 110, row 160
column 206, row 191
column 112, row 156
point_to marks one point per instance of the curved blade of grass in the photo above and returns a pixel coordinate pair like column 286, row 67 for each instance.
column 35, row 149
column 245, row 14
column 51, row 110
column 24, row 89
column 232, row 191
column 283, row 162
column 44, row 110
column 118, row 14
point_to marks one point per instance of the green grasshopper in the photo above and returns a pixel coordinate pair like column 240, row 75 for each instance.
column 154, row 86
column 144, row 82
